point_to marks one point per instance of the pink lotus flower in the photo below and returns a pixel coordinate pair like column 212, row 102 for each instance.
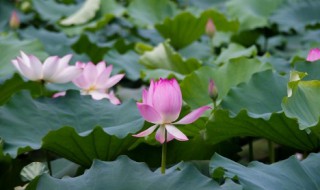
column 161, row 105
column 95, row 80
column 54, row 69
column 314, row 55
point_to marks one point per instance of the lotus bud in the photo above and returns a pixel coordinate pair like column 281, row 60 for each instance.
column 14, row 20
column 210, row 28
column 212, row 90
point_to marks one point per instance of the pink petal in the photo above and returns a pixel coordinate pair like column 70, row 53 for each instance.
column 25, row 59
column 314, row 55
column 26, row 70
column 63, row 62
column 102, row 79
column 176, row 133
column 97, row 95
column 81, row 82
column 194, row 115
column 146, row 132
column 36, row 66
column 113, row 99
column 50, row 67
column 101, row 66
column 167, row 99
column 145, row 96
column 59, row 94
column 90, row 73
column 80, row 65
column 113, row 80
column 169, row 137
column 66, row 75
column 149, row 113
column 160, row 134
column 150, row 93
column 15, row 63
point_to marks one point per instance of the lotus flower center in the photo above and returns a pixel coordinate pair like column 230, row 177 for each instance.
column 91, row 88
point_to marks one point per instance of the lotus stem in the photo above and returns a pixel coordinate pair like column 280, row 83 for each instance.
column 42, row 88
column 48, row 162
column 251, row 156
column 164, row 155
column 271, row 151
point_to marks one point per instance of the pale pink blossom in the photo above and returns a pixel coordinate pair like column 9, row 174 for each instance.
column 95, row 80
column 314, row 55
column 53, row 70
column 161, row 105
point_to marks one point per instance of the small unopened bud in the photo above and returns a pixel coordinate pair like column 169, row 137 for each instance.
column 14, row 20
column 213, row 91
column 210, row 28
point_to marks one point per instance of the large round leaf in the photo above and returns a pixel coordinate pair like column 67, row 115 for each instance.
column 15, row 84
column 195, row 86
column 234, row 51
column 261, row 95
column 165, row 58
column 287, row 174
column 52, row 11
column 300, row 12
column 277, row 128
column 128, row 62
column 127, row 174
column 311, row 68
column 148, row 13
column 185, row 28
column 67, row 143
column 304, row 104
column 251, row 13
column 24, row 121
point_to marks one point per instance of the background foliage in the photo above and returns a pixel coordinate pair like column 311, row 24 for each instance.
column 255, row 47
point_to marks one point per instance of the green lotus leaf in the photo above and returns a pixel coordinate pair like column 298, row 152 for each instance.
column 185, row 28
column 301, row 12
column 148, row 13
column 277, row 128
column 128, row 62
column 164, row 57
column 195, row 86
column 98, row 144
column 196, row 149
column 124, row 173
column 261, row 95
column 287, row 174
column 107, row 11
column 25, row 122
column 252, row 14
column 52, row 11
column 304, row 103
column 235, row 51
column 15, row 84
column 55, row 43
column 311, row 68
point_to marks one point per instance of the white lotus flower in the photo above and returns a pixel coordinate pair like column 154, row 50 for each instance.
column 53, row 70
